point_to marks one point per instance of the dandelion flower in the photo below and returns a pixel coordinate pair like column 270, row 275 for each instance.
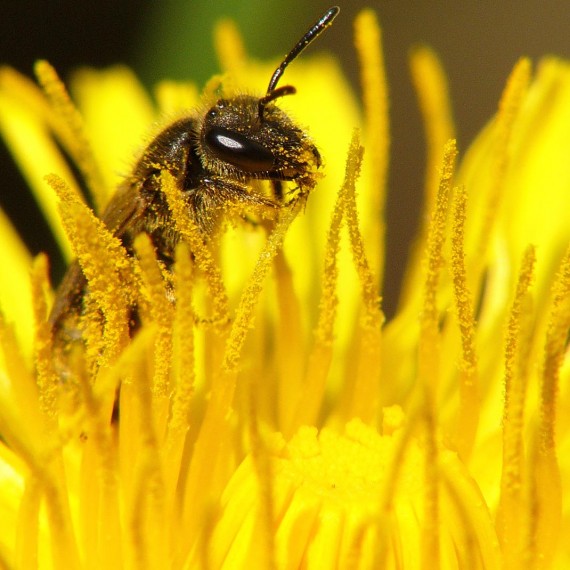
column 270, row 418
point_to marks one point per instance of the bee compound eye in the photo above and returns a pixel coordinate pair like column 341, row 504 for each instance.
column 235, row 148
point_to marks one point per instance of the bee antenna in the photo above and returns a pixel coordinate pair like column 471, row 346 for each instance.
column 310, row 35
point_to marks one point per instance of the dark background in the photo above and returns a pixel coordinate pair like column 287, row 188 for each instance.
column 478, row 41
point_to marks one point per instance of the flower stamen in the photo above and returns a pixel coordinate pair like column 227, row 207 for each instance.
column 368, row 44
column 511, row 505
column 72, row 131
column 111, row 284
column 468, row 413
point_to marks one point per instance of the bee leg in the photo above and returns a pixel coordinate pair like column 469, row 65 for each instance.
column 277, row 190
column 217, row 192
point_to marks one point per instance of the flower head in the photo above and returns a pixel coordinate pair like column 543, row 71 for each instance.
column 263, row 414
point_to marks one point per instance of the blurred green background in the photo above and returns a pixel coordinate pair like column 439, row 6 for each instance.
column 478, row 41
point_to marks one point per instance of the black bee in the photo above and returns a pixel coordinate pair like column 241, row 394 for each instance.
column 214, row 158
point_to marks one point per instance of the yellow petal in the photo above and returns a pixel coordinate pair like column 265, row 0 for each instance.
column 15, row 286
column 115, row 108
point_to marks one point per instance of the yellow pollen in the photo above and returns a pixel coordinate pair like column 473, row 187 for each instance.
column 511, row 520
column 72, row 131
column 161, row 312
column 189, row 230
column 111, row 283
column 468, row 412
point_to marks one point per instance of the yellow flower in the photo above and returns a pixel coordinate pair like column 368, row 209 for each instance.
column 269, row 418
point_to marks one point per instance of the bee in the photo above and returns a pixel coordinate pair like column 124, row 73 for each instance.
column 214, row 158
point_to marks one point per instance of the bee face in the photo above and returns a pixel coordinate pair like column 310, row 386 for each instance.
column 238, row 140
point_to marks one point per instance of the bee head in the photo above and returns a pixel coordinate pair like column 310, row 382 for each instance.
column 249, row 137
column 237, row 142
